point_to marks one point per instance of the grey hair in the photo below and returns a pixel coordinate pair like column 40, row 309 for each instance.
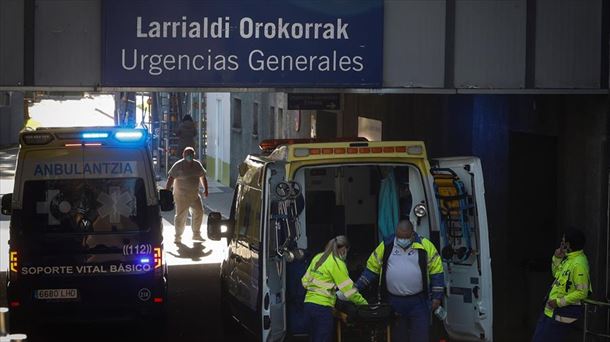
column 332, row 247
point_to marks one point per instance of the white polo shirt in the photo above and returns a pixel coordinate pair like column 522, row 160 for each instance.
column 403, row 275
column 186, row 177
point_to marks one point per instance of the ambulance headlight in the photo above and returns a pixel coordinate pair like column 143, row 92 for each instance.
column 129, row 136
column 224, row 229
column 420, row 210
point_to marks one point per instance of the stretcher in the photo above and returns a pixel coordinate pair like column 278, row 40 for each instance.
column 371, row 322
column 454, row 206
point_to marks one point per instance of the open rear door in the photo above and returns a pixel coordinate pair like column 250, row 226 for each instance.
column 273, row 292
column 460, row 194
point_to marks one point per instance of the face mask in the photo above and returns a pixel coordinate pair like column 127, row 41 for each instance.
column 403, row 243
column 189, row 158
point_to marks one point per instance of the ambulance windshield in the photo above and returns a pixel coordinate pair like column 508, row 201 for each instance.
column 84, row 206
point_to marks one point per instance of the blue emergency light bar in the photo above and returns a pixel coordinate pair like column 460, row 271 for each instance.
column 144, row 260
column 94, row 135
column 129, row 136
column 85, row 138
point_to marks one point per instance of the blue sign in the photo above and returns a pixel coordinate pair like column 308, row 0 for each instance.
column 242, row 43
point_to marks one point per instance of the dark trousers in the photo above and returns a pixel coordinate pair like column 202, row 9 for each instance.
column 550, row 330
column 319, row 322
column 413, row 322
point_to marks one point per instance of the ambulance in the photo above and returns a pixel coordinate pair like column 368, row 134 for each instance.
column 85, row 232
column 298, row 194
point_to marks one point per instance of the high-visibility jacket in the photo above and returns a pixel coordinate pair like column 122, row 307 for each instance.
column 430, row 264
column 570, row 287
column 323, row 282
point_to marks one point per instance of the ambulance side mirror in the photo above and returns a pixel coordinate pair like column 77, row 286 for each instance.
column 7, row 204
column 218, row 228
column 166, row 200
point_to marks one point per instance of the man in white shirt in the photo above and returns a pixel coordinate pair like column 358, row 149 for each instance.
column 411, row 274
column 186, row 175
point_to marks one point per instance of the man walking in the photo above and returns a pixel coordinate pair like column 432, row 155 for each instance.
column 570, row 269
column 186, row 133
column 186, row 175
column 409, row 270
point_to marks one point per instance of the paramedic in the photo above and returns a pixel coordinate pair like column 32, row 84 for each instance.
column 410, row 266
column 186, row 133
column 185, row 176
column 570, row 269
column 326, row 273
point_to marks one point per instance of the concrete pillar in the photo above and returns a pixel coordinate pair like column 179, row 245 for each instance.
column 12, row 119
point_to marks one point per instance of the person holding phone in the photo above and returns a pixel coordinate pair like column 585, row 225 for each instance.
column 570, row 269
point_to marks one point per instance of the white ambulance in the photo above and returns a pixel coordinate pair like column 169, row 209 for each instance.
column 290, row 200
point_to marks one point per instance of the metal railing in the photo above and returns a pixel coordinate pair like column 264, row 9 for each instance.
column 593, row 306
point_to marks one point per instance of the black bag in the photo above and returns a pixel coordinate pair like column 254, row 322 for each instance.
column 166, row 200
column 380, row 312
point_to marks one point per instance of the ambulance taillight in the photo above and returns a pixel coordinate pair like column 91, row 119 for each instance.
column 302, row 152
column 158, row 257
column 14, row 261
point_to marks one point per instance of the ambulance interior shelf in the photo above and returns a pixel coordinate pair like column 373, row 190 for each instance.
column 457, row 212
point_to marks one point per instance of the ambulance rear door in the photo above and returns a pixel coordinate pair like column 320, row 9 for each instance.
column 278, row 218
column 464, row 247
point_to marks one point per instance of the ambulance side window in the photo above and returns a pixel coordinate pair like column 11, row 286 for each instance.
column 248, row 214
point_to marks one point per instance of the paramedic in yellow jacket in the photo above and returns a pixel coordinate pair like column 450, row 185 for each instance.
column 410, row 272
column 571, row 286
column 326, row 275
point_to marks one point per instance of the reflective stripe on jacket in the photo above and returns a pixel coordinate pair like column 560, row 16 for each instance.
column 432, row 270
column 571, row 284
column 322, row 283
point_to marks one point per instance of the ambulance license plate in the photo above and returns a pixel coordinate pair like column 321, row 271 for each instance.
column 56, row 294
